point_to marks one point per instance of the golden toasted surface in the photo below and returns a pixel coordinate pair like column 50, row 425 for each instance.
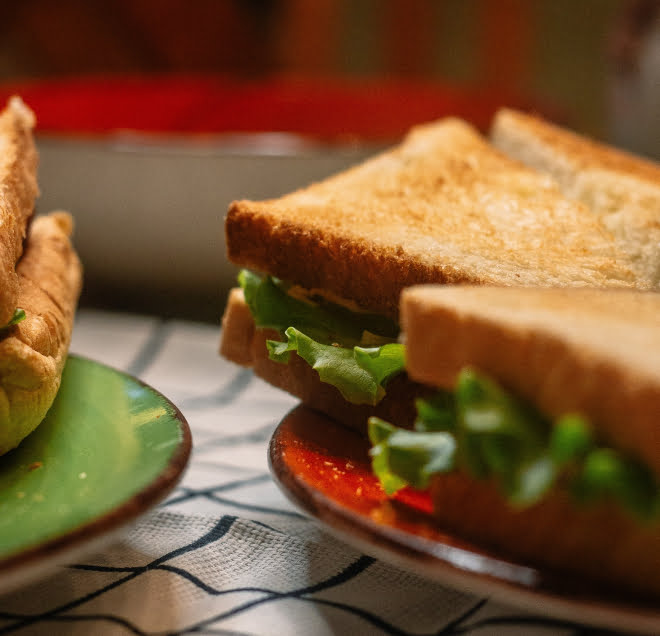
column 584, row 153
column 18, row 191
column 443, row 207
column 621, row 189
column 33, row 353
column 564, row 350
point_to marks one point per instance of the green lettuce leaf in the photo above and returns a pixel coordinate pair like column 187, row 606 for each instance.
column 19, row 316
column 486, row 408
column 328, row 338
column 359, row 374
column 607, row 473
column 508, row 439
column 379, row 434
column 571, row 439
column 272, row 307
column 437, row 413
column 497, row 436
column 401, row 457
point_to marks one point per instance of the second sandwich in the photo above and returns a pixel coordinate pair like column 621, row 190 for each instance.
column 318, row 312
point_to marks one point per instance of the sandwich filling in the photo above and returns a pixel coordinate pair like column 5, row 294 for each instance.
column 478, row 427
column 356, row 352
column 483, row 430
column 19, row 316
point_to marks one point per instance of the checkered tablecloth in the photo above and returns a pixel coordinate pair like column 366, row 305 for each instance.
column 226, row 553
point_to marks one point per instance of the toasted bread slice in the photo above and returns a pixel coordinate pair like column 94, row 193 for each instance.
column 565, row 350
column 18, row 191
column 33, row 352
column 443, row 207
column 242, row 343
column 599, row 543
column 621, row 189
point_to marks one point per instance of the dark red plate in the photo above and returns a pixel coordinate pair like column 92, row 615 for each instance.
column 324, row 469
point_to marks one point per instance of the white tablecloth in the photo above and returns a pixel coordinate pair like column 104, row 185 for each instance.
column 226, row 553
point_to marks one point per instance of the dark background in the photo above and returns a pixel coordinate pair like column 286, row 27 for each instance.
column 562, row 51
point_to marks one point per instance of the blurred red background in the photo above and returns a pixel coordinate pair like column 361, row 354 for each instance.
column 554, row 55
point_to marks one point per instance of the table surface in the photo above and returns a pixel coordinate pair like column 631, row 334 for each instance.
column 226, row 553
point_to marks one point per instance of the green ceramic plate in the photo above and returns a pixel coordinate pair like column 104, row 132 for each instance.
column 109, row 449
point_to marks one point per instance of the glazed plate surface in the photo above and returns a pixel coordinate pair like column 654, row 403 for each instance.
column 324, row 469
column 109, row 449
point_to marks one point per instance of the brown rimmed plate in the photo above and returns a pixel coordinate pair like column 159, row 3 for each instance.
column 323, row 468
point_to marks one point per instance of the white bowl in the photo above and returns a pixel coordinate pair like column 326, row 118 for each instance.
column 150, row 212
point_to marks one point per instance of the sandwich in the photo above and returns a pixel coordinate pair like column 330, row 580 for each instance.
column 40, row 282
column 623, row 190
column 324, row 266
column 18, row 179
column 542, row 437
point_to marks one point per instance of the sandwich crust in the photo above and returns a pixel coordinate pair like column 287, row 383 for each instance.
column 621, row 189
column 33, row 352
column 18, row 191
column 442, row 207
